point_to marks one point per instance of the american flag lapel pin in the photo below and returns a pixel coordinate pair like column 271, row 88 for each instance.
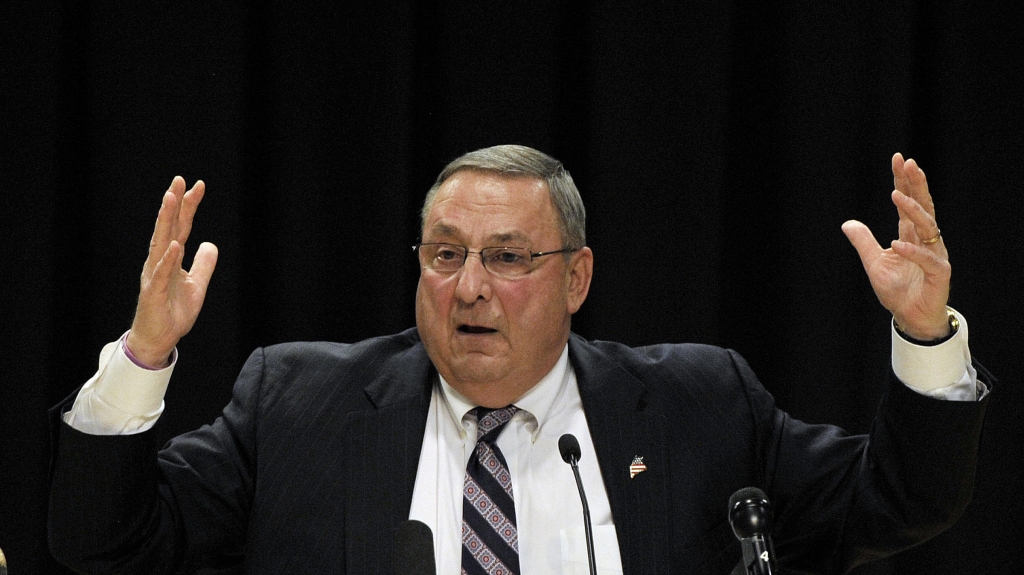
column 637, row 466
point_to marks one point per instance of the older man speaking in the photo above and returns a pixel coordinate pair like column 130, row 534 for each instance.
column 326, row 448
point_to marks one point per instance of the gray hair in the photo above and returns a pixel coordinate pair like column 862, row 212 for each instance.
column 517, row 161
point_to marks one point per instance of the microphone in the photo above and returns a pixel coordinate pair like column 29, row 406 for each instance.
column 750, row 515
column 569, row 447
column 414, row 549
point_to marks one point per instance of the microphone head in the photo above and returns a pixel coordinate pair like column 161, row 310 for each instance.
column 569, row 447
column 414, row 549
column 750, row 513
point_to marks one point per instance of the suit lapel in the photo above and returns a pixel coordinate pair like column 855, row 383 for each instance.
column 383, row 449
column 614, row 402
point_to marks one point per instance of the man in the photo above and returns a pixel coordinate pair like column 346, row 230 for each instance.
column 326, row 448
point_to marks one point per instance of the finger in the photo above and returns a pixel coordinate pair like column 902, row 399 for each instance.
column 163, row 229
column 178, row 189
column 189, row 205
column 900, row 182
column 922, row 226
column 899, row 175
column 934, row 265
column 863, row 241
column 164, row 270
column 917, row 186
column 908, row 232
column 204, row 264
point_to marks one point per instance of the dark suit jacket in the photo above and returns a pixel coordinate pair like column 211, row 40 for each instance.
column 312, row 466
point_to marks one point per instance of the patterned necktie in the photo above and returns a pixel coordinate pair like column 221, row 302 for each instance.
column 490, row 541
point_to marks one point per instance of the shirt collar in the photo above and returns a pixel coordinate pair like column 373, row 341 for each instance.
column 537, row 402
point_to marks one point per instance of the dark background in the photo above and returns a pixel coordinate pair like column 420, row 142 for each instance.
column 718, row 147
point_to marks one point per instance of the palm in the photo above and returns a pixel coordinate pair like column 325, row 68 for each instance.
column 178, row 310
column 902, row 287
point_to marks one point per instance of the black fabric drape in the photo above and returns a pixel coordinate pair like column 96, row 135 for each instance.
column 718, row 147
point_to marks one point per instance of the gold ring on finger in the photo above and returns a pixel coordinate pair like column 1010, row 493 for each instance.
column 930, row 241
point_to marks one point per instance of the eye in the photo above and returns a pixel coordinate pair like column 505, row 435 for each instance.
column 508, row 257
column 508, row 260
column 447, row 253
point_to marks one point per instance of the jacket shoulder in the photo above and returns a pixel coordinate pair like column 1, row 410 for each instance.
column 367, row 349
column 663, row 362
column 298, row 371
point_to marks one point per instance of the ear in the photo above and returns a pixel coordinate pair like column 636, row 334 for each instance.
column 581, row 270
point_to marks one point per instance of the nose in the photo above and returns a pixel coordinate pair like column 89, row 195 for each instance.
column 474, row 281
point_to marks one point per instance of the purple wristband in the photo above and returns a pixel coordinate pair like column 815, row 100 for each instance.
column 137, row 361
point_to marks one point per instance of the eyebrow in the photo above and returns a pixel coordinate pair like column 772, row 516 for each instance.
column 498, row 239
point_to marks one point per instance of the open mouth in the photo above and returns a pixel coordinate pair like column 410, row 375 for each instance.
column 475, row 329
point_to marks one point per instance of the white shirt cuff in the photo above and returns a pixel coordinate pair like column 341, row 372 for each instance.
column 122, row 398
column 942, row 371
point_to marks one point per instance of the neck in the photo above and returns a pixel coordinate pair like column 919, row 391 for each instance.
column 492, row 395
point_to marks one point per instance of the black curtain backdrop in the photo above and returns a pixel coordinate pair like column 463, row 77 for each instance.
column 718, row 147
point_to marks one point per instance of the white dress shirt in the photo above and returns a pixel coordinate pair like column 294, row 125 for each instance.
column 549, row 514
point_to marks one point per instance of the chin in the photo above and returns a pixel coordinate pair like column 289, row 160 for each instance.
column 478, row 369
column 478, row 374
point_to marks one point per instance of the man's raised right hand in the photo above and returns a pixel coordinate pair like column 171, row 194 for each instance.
column 170, row 297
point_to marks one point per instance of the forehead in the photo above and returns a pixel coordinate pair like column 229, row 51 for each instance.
column 475, row 205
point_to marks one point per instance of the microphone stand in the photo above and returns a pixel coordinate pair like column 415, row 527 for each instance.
column 569, row 447
column 586, row 519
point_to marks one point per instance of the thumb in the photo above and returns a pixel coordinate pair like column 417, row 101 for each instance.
column 863, row 241
column 203, row 264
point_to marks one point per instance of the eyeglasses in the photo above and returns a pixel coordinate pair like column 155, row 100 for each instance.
column 504, row 262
